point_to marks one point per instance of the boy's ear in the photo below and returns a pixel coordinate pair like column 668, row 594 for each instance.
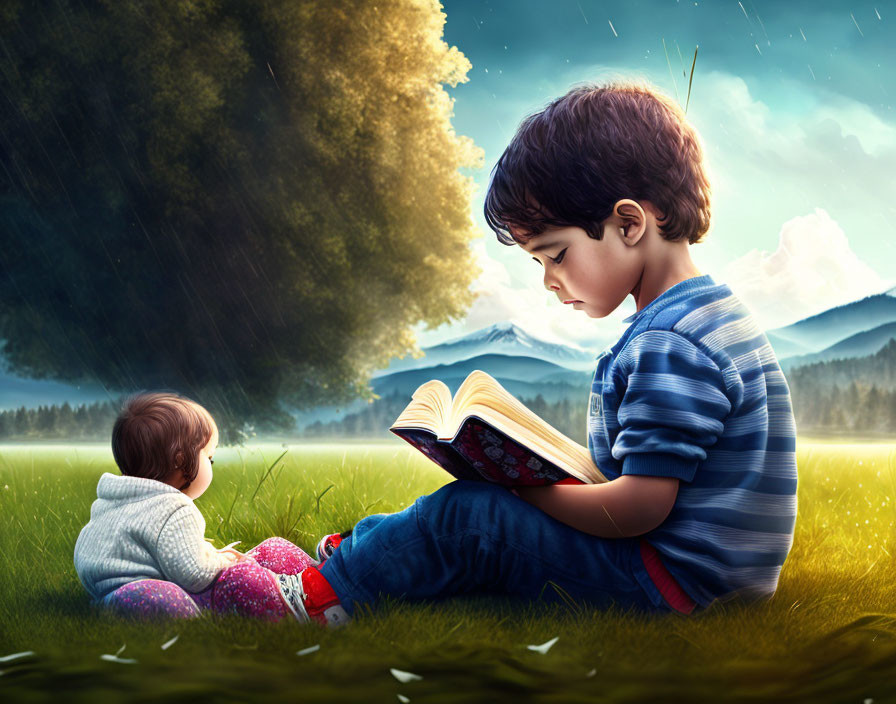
column 630, row 217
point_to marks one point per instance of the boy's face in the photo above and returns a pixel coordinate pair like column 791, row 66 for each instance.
column 591, row 275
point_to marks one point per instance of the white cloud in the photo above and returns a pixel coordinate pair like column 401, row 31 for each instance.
column 859, row 121
column 813, row 269
column 777, row 151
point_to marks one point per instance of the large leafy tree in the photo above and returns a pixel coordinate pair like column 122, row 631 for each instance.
column 250, row 202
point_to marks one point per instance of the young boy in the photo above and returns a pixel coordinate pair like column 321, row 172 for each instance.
column 690, row 416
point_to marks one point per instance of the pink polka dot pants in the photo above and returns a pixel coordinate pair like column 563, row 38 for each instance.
column 249, row 588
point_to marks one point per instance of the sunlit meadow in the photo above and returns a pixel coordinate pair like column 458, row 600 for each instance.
column 829, row 634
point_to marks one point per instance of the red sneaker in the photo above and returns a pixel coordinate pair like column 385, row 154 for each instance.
column 328, row 544
column 309, row 596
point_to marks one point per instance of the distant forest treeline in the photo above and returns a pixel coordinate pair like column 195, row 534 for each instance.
column 846, row 395
column 84, row 422
column 856, row 395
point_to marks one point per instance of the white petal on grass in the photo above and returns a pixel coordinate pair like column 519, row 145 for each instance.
column 591, row 673
column 17, row 656
column 403, row 676
column 544, row 647
column 168, row 643
column 309, row 650
column 403, row 699
column 120, row 661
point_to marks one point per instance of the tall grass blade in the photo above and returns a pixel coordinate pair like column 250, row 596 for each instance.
column 321, row 495
column 267, row 474
column 691, row 79
column 571, row 603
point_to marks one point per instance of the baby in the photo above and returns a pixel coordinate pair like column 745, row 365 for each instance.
column 145, row 531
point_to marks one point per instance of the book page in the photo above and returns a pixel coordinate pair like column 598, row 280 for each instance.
column 428, row 408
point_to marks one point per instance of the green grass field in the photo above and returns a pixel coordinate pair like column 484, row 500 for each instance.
column 828, row 635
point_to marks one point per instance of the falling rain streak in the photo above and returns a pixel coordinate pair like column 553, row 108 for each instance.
column 583, row 12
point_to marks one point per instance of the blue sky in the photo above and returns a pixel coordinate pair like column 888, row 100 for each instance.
column 793, row 102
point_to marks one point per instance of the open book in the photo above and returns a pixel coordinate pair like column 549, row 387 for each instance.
column 486, row 433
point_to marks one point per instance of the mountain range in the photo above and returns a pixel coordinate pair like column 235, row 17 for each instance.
column 528, row 366
column 862, row 326
column 504, row 339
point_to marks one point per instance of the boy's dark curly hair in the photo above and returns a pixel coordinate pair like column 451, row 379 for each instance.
column 570, row 163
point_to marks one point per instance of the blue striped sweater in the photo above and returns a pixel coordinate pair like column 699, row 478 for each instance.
column 693, row 390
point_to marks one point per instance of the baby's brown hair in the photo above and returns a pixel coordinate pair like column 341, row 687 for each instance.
column 569, row 164
column 158, row 434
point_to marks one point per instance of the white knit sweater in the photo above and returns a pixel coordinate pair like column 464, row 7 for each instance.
column 144, row 529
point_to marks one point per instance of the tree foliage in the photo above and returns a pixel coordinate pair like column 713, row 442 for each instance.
column 252, row 203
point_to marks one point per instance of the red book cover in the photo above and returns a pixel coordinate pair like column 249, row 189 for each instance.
column 480, row 451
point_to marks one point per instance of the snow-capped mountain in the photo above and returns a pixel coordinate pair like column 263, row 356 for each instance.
column 500, row 339
column 522, row 376
column 523, row 364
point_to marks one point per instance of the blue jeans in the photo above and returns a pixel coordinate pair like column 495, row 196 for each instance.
column 478, row 538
